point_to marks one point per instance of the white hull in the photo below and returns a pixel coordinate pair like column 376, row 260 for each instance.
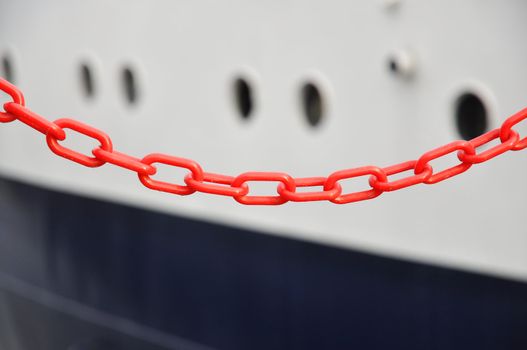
column 185, row 56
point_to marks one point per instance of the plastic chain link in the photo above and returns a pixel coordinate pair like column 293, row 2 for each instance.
column 197, row 180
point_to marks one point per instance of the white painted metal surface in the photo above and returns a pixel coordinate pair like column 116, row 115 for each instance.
column 185, row 55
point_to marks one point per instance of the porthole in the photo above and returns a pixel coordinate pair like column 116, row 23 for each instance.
column 243, row 97
column 87, row 82
column 7, row 68
column 312, row 104
column 471, row 115
column 129, row 85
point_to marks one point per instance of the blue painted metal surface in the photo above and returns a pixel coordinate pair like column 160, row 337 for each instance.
column 79, row 273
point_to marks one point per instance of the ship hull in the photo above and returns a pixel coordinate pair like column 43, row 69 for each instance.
column 79, row 273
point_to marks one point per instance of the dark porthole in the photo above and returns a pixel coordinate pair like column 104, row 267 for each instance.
column 7, row 68
column 87, row 80
column 129, row 85
column 471, row 116
column 243, row 97
column 312, row 104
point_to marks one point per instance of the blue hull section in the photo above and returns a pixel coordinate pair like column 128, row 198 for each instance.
column 77, row 273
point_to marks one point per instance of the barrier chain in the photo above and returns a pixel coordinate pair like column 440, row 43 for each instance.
column 197, row 180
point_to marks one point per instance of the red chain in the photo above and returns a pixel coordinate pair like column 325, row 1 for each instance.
column 238, row 188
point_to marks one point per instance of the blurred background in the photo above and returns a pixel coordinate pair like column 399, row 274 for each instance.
column 91, row 260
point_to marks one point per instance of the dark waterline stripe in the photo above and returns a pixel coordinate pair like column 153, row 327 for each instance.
column 230, row 288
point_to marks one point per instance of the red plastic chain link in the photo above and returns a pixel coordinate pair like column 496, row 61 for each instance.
column 124, row 161
column 195, row 170
column 283, row 178
column 16, row 96
column 196, row 180
column 212, row 183
column 464, row 146
column 506, row 130
column 328, row 195
column 418, row 178
column 92, row 162
column 376, row 172
column 35, row 121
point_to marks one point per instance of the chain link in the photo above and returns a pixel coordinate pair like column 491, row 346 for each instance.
column 215, row 184
column 285, row 179
column 81, row 128
column 17, row 97
column 326, row 195
column 35, row 121
column 415, row 179
column 196, row 180
column 182, row 190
